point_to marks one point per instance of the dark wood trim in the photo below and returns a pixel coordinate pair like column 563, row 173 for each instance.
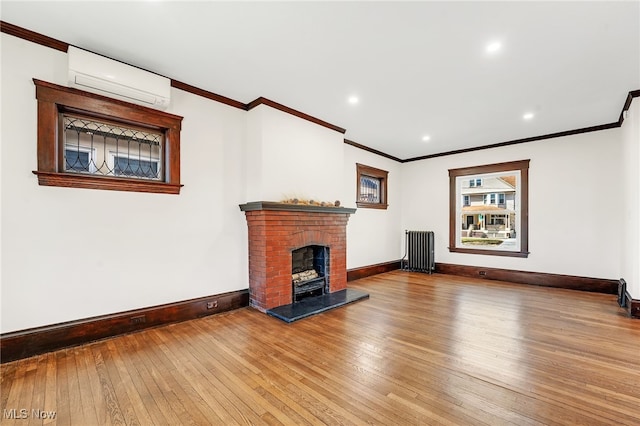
column 367, row 271
column 209, row 95
column 632, row 94
column 371, row 150
column 107, row 107
column 280, row 107
column 490, row 168
column 34, row 341
column 632, row 306
column 488, row 252
column 54, row 99
column 69, row 180
column 517, row 141
column 375, row 173
column 32, row 36
column 43, row 40
column 596, row 285
column 272, row 205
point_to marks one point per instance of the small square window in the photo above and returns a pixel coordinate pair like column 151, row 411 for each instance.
column 371, row 187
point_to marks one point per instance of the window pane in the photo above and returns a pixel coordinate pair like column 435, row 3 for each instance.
column 488, row 219
column 134, row 167
column 369, row 189
column 111, row 150
column 76, row 160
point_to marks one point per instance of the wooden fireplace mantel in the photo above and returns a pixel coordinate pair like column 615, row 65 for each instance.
column 273, row 205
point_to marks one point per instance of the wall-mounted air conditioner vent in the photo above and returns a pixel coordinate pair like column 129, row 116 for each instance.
column 97, row 74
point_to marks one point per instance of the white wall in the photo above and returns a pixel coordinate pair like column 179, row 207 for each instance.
column 373, row 235
column 630, row 229
column 290, row 157
column 72, row 253
column 574, row 203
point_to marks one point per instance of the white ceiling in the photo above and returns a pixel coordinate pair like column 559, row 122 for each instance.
column 418, row 68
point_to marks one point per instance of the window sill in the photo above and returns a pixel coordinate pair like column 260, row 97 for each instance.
column 490, row 252
column 70, row 180
column 380, row 206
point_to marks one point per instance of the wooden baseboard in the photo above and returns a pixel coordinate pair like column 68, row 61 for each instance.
column 632, row 306
column 367, row 271
column 535, row 278
column 34, row 341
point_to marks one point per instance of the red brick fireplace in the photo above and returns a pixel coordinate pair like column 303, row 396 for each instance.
column 275, row 231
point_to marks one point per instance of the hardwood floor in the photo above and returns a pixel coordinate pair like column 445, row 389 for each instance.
column 422, row 350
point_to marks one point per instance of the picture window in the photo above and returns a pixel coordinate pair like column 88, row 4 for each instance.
column 489, row 209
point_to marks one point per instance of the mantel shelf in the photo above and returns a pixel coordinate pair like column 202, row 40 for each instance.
column 272, row 205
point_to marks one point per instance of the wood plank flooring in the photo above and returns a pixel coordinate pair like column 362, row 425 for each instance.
column 423, row 349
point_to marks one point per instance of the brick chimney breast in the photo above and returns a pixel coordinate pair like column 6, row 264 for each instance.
column 277, row 229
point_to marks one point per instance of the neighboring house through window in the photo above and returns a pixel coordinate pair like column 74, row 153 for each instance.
column 78, row 159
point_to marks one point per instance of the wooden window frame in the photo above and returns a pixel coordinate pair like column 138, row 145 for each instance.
column 519, row 166
column 382, row 175
column 53, row 100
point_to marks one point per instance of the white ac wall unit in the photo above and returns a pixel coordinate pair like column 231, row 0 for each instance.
column 97, row 74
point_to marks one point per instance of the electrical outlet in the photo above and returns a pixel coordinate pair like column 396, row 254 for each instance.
column 212, row 304
column 140, row 319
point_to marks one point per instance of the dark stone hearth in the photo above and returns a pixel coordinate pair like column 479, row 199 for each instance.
column 315, row 305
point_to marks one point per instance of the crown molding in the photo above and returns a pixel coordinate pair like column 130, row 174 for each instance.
column 43, row 40
column 517, row 141
column 33, row 36
column 206, row 94
column 264, row 101
column 373, row 151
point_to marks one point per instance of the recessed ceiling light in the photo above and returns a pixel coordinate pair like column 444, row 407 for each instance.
column 528, row 116
column 353, row 100
column 426, row 138
column 493, row 47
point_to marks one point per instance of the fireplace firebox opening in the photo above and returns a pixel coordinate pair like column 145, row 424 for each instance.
column 310, row 272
